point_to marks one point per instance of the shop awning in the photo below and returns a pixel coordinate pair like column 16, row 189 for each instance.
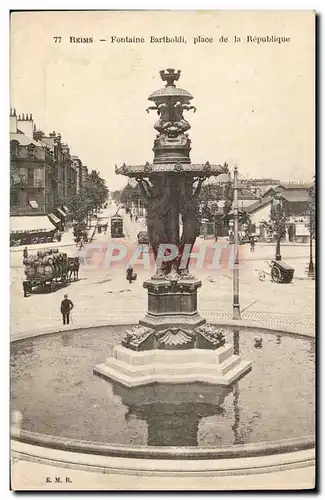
column 61, row 212
column 53, row 218
column 30, row 223
column 66, row 209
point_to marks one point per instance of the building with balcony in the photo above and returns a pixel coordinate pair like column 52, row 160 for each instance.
column 43, row 174
column 29, row 181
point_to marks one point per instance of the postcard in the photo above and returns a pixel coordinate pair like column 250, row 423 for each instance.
column 162, row 250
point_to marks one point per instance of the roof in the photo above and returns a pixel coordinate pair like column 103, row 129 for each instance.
column 259, row 204
column 23, row 139
column 295, row 195
column 289, row 186
column 47, row 142
column 296, row 185
column 30, row 223
column 245, row 203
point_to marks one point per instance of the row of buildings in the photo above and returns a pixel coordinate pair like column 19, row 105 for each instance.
column 255, row 202
column 43, row 173
column 255, row 198
column 43, row 176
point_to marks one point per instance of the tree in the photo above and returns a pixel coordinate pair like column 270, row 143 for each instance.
column 277, row 224
column 88, row 199
column 209, row 197
column 130, row 194
column 97, row 190
column 116, row 195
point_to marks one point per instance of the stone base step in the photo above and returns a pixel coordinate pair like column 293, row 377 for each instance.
column 165, row 369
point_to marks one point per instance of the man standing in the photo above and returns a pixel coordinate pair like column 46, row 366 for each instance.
column 25, row 253
column 25, row 288
column 66, row 307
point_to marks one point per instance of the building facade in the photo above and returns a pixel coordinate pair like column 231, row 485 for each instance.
column 43, row 173
column 294, row 198
column 29, row 180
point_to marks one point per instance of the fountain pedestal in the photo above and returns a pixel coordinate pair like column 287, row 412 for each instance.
column 173, row 343
column 135, row 368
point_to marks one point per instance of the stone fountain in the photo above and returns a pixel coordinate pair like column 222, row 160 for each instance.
column 173, row 343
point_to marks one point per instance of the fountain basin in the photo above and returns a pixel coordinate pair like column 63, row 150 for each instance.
column 57, row 395
column 245, row 460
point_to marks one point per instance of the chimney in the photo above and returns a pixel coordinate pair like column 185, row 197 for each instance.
column 25, row 125
column 13, row 121
column 38, row 135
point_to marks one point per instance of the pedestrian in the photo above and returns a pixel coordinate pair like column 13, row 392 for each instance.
column 252, row 242
column 25, row 288
column 130, row 275
column 66, row 308
column 25, row 253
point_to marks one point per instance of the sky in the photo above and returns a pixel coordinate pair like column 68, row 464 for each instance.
column 255, row 102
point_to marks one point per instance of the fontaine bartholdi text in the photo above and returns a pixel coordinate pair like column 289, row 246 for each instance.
column 114, row 39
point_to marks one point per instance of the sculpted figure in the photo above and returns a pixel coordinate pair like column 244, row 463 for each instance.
column 171, row 120
column 178, row 119
column 164, row 117
column 188, row 210
column 157, row 197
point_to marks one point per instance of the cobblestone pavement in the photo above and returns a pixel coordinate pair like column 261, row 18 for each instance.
column 103, row 295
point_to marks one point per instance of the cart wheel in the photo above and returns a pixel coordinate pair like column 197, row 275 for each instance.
column 276, row 274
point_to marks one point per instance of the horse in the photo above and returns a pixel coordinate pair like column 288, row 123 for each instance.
column 73, row 267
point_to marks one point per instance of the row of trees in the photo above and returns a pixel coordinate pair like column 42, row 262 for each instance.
column 87, row 201
column 209, row 197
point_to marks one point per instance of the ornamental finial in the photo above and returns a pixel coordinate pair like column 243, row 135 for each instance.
column 170, row 76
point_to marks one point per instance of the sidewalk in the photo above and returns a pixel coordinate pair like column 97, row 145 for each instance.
column 66, row 241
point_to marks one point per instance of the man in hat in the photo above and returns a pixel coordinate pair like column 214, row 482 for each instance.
column 66, row 307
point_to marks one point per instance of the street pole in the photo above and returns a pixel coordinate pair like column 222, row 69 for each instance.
column 278, row 211
column 236, row 306
column 311, row 270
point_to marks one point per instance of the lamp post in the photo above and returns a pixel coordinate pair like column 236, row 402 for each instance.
column 236, row 305
column 311, row 269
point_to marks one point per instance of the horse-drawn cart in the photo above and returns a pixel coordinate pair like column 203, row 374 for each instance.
column 49, row 269
column 281, row 272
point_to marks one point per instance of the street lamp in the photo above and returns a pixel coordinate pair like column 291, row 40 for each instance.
column 236, row 305
column 311, row 268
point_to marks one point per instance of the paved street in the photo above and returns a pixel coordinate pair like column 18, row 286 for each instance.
column 103, row 295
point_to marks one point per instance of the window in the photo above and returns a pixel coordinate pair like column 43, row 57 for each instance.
column 31, row 151
column 14, row 148
column 30, row 177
